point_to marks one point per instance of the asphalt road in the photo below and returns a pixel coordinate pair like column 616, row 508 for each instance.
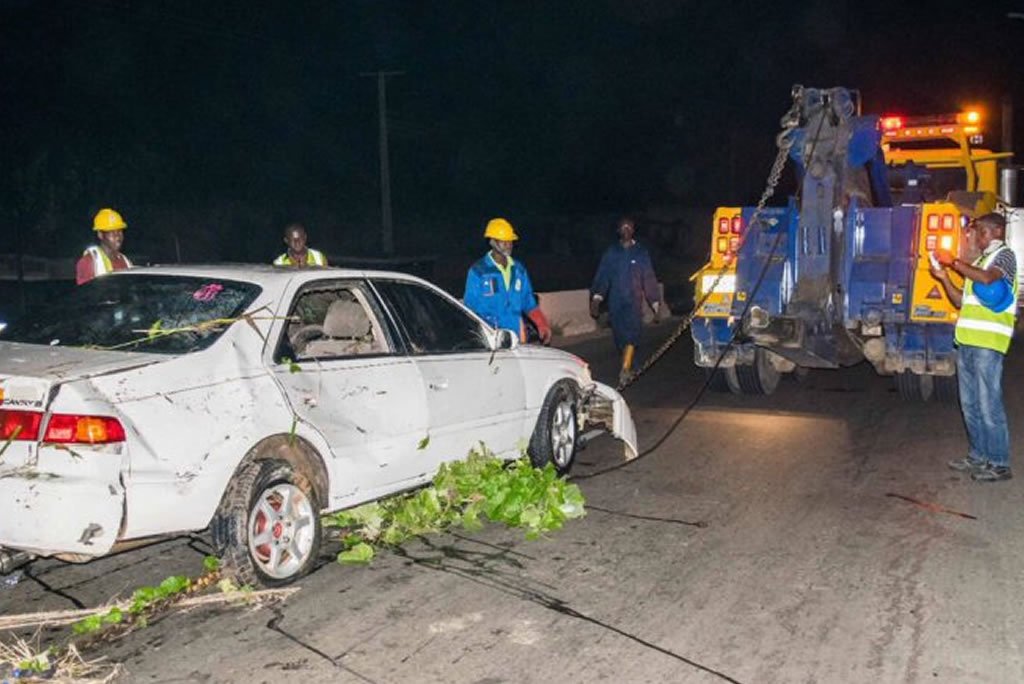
column 766, row 540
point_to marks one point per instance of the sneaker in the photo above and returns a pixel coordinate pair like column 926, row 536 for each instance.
column 966, row 464
column 992, row 473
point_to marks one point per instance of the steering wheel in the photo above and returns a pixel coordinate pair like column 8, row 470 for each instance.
column 304, row 335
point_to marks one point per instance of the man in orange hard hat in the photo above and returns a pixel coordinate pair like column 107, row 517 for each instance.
column 498, row 288
column 106, row 257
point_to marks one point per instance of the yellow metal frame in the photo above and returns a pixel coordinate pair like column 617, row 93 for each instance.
column 929, row 303
column 718, row 304
column 980, row 165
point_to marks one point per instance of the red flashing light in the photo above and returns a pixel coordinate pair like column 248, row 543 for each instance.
column 737, row 225
column 892, row 123
column 947, row 222
column 933, row 222
column 16, row 426
column 723, row 225
column 74, row 429
column 734, row 244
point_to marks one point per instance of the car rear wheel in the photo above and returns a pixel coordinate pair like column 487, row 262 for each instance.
column 554, row 438
column 267, row 528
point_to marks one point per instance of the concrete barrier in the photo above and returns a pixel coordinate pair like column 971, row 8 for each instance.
column 568, row 311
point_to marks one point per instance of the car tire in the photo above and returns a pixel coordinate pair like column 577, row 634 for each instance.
column 555, row 437
column 267, row 529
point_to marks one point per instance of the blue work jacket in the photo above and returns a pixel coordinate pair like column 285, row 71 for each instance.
column 500, row 306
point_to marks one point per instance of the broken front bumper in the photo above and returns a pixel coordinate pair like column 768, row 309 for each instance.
column 606, row 407
column 58, row 501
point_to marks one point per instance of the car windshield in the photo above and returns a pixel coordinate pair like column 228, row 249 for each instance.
column 152, row 313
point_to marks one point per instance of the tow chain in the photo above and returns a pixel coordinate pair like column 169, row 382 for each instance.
column 784, row 141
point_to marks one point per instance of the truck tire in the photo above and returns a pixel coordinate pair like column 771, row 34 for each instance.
column 722, row 380
column 914, row 387
column 760, row 377
column 267, row 528
column 555, row 436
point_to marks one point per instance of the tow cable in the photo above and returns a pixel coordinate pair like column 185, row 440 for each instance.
column 784, row 141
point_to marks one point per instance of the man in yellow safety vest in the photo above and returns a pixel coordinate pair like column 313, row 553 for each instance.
column 988, row 308
column 299, row 254
column 106, row 257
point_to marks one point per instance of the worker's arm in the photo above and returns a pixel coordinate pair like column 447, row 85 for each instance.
column 531, row 307
column 602, row 281
column 84, row 271
column 954, row 293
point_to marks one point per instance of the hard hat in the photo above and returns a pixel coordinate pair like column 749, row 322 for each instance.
column 108, row 219
column 500, row 229
column 996, row 296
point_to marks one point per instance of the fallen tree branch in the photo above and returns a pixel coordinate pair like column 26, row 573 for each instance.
column 66, row 617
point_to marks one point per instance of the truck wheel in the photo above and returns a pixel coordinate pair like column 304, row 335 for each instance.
column 267, row 528
column 914, row 387
column 722, row 380
column 760, row 377
column 554, row 438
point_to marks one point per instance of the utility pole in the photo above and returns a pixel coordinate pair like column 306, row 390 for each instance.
column 387, row 232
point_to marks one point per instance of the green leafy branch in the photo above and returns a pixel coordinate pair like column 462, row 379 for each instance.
column 463, row 494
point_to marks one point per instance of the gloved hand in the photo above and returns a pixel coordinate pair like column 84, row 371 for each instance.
column 595, row 307
column 656, row 308
column 944, row 257
column 541, row 321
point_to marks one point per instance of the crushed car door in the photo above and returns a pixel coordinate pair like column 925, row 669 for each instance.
column 474, row 394
column 345, row 375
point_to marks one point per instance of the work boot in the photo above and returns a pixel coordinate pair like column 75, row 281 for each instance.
column 966, row 464
column 991, row 473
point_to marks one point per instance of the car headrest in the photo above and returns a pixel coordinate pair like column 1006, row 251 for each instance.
column 346, row 318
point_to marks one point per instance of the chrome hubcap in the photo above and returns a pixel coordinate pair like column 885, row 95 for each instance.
column 281, row 530
column 563, row 433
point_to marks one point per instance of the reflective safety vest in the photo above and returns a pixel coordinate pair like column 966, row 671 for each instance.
column 979, row 326
column 313, row 258
column 101, row 262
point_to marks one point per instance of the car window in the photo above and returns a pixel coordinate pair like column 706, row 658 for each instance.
column 433, row 323
column 151, row 313
column 330, row 322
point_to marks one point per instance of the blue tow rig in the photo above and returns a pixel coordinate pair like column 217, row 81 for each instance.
column 828, row 280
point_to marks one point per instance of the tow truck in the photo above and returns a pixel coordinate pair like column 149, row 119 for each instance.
column 840, row 274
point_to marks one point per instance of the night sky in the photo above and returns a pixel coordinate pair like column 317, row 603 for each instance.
column 176, row 110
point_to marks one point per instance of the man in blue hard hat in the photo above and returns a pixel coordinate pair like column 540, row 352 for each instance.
column 983, row 333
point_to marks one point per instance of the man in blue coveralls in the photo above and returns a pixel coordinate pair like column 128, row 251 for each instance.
column 498, row 288
column 626, row 278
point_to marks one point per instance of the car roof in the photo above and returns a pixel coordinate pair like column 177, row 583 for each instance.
column 262, row 274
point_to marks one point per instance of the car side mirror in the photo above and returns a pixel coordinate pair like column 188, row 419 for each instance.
column 506, row 339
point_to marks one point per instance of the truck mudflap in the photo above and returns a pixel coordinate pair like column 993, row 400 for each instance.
column 603, row 406
column 57, row 500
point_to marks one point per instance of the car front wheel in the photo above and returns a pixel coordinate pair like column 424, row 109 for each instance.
column 554, row 438
column 267, row 528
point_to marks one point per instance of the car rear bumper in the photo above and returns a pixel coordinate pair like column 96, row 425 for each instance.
column 63, row 503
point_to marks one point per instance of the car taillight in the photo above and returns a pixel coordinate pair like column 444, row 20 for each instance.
column 947, row 222
column 72, row 429
column 723, row 225
column 737, row 225
column 933, row 222
column 19, row 425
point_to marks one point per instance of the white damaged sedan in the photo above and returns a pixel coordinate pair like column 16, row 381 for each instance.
column 250, row 399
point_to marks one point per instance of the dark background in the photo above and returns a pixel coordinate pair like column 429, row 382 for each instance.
column 211, row 124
